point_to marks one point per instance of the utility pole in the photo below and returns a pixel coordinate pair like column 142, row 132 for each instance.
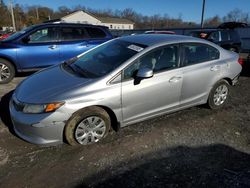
column 12, row 15
column 202, row 14
column 37, row 13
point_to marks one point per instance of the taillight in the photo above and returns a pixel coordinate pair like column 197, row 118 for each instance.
column 241, row 61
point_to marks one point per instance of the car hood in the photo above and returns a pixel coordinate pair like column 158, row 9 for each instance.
column 49, row 85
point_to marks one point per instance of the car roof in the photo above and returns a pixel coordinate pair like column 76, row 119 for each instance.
column 159, row 31
column 152, row 39
column 69, row 24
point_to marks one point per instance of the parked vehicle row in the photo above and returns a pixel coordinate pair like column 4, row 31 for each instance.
column 5, row 35
column 121, row 82
column 47, row 44
column 226, row 38
column 225, row 35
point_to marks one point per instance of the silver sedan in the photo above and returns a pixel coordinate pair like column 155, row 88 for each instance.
column 121, row 82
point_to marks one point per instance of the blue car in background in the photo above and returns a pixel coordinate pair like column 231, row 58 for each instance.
column 47, row 44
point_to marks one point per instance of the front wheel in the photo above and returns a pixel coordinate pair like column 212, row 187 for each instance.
column 7, row 71
column 88, row 126
column 219, row 94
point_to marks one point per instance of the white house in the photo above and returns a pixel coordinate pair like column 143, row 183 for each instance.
column 87, row 18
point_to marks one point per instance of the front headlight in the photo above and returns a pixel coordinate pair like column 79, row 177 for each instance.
column 41, row 108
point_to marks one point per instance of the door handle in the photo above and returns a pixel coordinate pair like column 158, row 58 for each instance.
column 215, row 68
column 52, row 47
column 175, row 79
column 84, row 44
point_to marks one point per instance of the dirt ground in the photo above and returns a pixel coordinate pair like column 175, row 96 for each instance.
column 196, row 147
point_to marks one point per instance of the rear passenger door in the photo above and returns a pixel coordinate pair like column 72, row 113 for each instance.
column 73, row 41
column 201, row 69
column 97, row 36
column 76, row 40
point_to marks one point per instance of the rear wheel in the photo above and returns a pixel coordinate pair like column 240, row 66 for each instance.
column 219, row 94
column 87, row 126
column 7, row 71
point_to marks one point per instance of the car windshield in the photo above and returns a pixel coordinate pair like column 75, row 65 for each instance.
column 105, row 58
column 17, row 34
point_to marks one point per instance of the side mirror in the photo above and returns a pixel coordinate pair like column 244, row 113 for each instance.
column 144, row 73
column 26, row 39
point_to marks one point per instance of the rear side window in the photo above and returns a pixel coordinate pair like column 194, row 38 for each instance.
column 195, row 53
column 225, row 36
column 95, row 32
column 73, row 33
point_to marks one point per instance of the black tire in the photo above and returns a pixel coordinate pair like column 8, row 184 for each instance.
column 211, row 102
column 10, row 69
column 78, row 117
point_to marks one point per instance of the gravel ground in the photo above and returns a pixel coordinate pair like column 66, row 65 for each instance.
column 196, row 147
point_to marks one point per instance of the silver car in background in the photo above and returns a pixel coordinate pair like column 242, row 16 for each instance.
column 121, row 82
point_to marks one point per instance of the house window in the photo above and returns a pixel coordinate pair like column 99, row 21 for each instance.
column 111, row 26
column 129, row 27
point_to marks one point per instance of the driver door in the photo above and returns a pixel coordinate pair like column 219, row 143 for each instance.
column 39, row 49
column 155, row 95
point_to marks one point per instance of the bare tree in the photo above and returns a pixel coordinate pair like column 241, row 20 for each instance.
column 213, row 22
column 236, row 15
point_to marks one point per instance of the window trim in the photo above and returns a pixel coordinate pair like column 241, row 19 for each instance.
column 146, row 53
column 182, row 64
column 113, row 80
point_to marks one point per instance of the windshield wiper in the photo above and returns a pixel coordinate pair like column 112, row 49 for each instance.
column 69, row 66
column 84, row 72
column 70, row 61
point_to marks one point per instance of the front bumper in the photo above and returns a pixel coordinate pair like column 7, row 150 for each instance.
column 44, row 128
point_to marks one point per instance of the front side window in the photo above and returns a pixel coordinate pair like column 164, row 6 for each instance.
column 197, row 53
column 164, row 58
column 43, row 35
column 214, row 36
column 106, row 58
